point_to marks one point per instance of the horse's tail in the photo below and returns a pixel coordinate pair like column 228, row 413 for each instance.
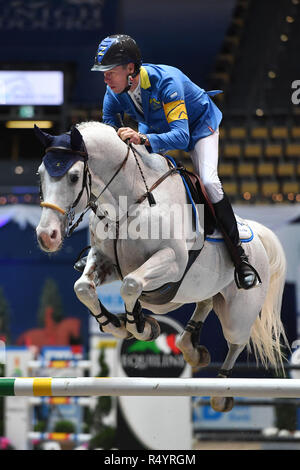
column 267, row 335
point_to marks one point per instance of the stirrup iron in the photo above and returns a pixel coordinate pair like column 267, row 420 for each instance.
column 256, row 281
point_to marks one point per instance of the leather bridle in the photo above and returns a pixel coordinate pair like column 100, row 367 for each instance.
column 92, row 199
column 87, row 185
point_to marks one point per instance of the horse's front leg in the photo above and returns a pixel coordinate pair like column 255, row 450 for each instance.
column 99, row 270
column 188, row 342
column 161, row 268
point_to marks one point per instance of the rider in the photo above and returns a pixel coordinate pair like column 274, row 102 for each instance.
column 172, row 113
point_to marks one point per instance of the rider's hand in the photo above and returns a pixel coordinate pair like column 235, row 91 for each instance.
column 127, row 133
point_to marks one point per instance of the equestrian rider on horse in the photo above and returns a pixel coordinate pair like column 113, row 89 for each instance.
column 172, row 113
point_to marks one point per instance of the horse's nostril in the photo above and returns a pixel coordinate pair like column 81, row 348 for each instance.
column 41, row 242
column 49, row 241
column 44, row 237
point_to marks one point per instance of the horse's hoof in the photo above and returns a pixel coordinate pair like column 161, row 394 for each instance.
column 155, row 329
column 204, row 356
column 222, row 404
column 203, row 359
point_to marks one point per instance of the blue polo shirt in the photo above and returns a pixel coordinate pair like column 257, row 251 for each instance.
column 176, row 112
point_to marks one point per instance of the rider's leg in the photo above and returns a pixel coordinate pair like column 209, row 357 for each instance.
column 205, row 160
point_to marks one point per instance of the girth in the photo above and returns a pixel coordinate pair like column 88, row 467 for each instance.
column 167, row 292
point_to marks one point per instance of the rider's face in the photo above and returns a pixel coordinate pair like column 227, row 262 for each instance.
column 116, row 78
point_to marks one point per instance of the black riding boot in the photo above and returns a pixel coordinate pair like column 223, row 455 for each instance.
column 245, row 275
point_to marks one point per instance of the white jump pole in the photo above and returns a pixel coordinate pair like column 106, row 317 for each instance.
column 131, row 386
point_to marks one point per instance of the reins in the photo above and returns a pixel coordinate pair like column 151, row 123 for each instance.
column 93, row 199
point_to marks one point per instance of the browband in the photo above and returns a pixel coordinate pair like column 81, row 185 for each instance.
column 67, row 150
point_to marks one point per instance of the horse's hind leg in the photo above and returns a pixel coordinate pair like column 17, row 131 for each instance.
column 225, row 404
column 99, row 270
column 188, row 342
column 237, row 311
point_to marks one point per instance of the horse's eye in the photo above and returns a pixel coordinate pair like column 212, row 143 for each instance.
column 74, row 178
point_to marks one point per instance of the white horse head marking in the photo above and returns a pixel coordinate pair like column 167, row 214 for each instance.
column 60, row 194
column 62, row 184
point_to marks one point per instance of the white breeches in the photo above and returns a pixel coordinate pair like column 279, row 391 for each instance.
column 205, row 160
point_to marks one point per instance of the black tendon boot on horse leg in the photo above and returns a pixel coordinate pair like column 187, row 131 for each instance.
column 245, row 275
column 80, row 264
column 139, row 319
column 81, row 260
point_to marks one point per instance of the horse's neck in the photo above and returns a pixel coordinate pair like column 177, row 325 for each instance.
column 129, row 181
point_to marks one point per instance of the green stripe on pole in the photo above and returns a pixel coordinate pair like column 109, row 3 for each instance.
column 7, row 387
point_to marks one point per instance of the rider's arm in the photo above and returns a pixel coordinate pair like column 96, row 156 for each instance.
column 111, row 108
column 143, row 128
column 178, row 136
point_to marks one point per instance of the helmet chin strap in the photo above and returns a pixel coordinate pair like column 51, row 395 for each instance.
column 130, row 78
column 129, row 83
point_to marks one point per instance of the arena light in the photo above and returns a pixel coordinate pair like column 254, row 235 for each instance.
column 28, row 124
column 289, row 19
column 284, row 38
column 259, row 112
column 19, row 170
column 247, row 195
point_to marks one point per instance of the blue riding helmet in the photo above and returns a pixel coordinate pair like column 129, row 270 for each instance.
column 118, row 49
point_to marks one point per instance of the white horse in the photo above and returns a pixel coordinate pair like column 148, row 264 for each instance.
column 146, row 264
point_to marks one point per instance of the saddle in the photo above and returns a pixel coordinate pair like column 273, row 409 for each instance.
column 199, row 195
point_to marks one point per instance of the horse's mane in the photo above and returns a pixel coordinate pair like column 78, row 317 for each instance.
column 96, row 129
column 92, row 125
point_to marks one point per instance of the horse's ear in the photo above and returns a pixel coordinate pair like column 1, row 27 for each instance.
column 76, row 139
column 44, row 138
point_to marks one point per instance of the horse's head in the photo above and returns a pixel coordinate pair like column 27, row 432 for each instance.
column 62, row 183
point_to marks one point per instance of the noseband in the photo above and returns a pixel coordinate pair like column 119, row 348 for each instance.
column 53, row 206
